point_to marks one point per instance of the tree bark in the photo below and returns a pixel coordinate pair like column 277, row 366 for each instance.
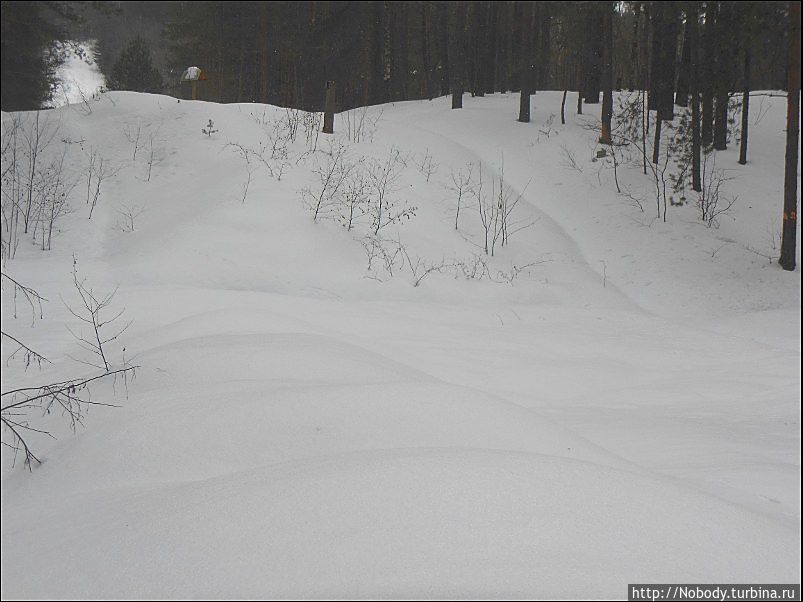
column 684, row 73
column 457, row 52
column 722, row 84
column 694, row 81
column 708, row 70
column 745, row 107
column 656, row 146
column 329, row 109
column 593, row 58
column 789, row 232
column 607, row 74
column 527, row 62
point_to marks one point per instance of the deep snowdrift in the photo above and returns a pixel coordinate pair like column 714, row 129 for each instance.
column 625, row 410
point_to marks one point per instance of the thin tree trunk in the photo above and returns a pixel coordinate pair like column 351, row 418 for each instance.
column 329, row 109
column 607, row 74
column 723, row 76
column 264, row 53
column 694, row 54
column 789, row 232
column 684, row 73
column 708, row 70
column 528, row 66
column 456, row 50
column 593, row 57
column 656, row 147
column 563, row 108
column 745, row 106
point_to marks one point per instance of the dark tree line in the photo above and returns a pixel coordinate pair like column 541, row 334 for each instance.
column 284, row 52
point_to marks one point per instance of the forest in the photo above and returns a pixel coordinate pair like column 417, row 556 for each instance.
column 341, row 55
column 399, row 300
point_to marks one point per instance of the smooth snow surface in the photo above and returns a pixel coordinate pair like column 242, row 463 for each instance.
column 627, row 410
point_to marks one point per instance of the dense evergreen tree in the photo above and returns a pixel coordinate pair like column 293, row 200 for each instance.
column 134, row 70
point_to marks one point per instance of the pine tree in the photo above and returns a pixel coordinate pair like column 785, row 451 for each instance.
column 134, row 70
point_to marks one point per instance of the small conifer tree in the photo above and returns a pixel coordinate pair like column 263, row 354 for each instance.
column 134, row 70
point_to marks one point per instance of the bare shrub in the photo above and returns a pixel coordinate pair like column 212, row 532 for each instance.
column 332, row 168
column 72, row 397
column 711, row 202
column 462, row 184
column 382, row 176
column 95, row 312
column 427, row 165
column 127, row 216
column 495, row 207
column 360, row 124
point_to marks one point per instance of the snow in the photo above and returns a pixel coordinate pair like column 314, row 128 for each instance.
column 627, row 410
column 78, row 76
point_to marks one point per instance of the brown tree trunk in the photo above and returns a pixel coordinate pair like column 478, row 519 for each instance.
column 789, row 232
column 722, row 84
column 684, row 73
column 457, row 24
column 707, row 71
column 329, row 109
column 527, row 62
column 745, row 107
column 694, row 81
column 593, row 55
column 656, row 146
column 607, row 74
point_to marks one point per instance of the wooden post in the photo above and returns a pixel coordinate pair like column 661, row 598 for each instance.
column 329, row 109
column 195, row 89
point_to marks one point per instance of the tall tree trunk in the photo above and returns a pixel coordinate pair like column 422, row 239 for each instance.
column 329, row 109
column 708, row 70
column 664, row 49
column 607, row 74
column 692, row 16
column 444, row 54
column 480, row 41
column 684, row 73
column 490, row 48
column 387, row 51
column 527, row 61
column 593, row 55
column 722, row 85
column 457, row 51
column 656, row 145
column 426, row 49
column 789, row 232
column 745, row 106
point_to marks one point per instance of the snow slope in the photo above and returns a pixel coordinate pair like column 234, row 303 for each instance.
column 626, row 410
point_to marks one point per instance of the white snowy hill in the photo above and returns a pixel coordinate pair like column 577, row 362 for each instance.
column 610, row 399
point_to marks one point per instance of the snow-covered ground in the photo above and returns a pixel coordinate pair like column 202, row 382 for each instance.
column 625, row 410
